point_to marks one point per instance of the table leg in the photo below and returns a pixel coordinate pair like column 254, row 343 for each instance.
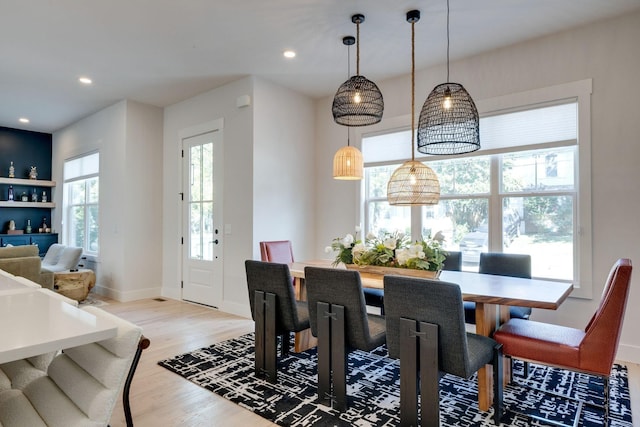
column 485, row 324
column 304, row 340
column 488, row 318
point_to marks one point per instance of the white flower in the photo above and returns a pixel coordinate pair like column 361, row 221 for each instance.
column 348, row 240
column 358, row 248
column 402, row 256
column 371, row 236
column 390, row 243
column 358, row 228
column 328, row 249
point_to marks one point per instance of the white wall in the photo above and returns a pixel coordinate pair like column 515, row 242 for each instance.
column 283, row 169
column 607, row 52
column 130, row 193
column 268, row 176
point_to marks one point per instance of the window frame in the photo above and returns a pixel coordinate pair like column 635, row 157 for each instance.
column 579, row 92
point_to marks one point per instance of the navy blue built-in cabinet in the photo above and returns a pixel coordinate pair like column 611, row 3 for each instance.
column 26, row 149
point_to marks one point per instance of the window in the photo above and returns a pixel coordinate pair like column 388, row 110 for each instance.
column 81, row 203
column 526, row 191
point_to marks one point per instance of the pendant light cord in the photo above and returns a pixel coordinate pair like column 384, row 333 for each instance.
column 413, row 90
column 448, row 41
column 348, row 77
column 357, row 48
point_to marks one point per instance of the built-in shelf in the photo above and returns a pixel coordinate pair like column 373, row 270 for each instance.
column 16, row 204
column 28, row 182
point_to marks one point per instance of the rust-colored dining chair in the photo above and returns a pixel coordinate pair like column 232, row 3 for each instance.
column 591, row 350
column 280, row 251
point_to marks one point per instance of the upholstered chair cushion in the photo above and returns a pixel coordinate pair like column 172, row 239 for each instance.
column 67, row 258
column 82, row 383
column 53, row 254
column 16, row 410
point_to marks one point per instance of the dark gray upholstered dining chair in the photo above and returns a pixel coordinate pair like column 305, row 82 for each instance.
column 453, row 261
column 501, row 264
column 339, row 319
column 426, row 331
column 275, row 311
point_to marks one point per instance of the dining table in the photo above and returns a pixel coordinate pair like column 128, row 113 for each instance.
column 36, row 322
column 492, row 295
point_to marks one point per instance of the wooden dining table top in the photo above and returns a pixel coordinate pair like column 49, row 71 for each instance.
column 480, row 288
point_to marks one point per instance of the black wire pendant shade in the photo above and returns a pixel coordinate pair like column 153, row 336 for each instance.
column 449, row 122
column 358, row 101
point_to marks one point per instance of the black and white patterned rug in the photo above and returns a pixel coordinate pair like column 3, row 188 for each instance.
column 226, row 368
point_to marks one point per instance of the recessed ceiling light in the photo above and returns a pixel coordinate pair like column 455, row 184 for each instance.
column 23, row 120
column 85, row 80
column 289, row 54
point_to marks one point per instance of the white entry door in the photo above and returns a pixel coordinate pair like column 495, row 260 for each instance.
column 202, row 208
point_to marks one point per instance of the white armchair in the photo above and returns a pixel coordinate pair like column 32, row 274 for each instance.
column 60, row 258
column 81, row 384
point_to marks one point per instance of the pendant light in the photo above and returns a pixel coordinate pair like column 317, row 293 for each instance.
column 413, row 183
column 358, row 101
column 449, row 122
column 348, row 161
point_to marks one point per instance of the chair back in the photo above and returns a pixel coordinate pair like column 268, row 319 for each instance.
column 453, row 261
column 431, row 301
column 277, row 251
column 602, row 333
column 343, row 287
column 501, row 264
column 274, row 278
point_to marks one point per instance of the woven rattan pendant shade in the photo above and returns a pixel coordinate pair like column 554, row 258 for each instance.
column 413, row 183
column 348, row 163
column 449, row 122
column 452, row 130
column 358, row 101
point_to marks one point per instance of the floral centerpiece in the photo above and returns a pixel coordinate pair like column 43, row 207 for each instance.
column 390, row 250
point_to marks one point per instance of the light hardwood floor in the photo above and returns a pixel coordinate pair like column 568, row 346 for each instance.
column 162, row 398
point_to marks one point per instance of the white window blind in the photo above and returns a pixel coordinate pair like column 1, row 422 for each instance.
column 81, row 167
column 509, row 131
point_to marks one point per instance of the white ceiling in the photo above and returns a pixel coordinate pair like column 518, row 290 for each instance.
column 161, row 52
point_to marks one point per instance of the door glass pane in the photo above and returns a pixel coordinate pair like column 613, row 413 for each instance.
column 201, row 202
column 207, row 171
column 545, row 230
column 195, row 173
column 196, row 231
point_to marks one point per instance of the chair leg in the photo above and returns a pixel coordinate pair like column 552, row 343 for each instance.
column 142, row 344
column 419, row 358
column 324, row 354
column 497, row 384
column 285, row 338
column 339, row 358
column 265, row 336
column 429, row 375
column 606, row 400
column 332, row 356
column 408, row 373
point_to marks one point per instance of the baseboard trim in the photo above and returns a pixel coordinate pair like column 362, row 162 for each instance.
column 128, row 295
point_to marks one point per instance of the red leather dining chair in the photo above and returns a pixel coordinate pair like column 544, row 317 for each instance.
column 280, row 251
column 591, row 351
